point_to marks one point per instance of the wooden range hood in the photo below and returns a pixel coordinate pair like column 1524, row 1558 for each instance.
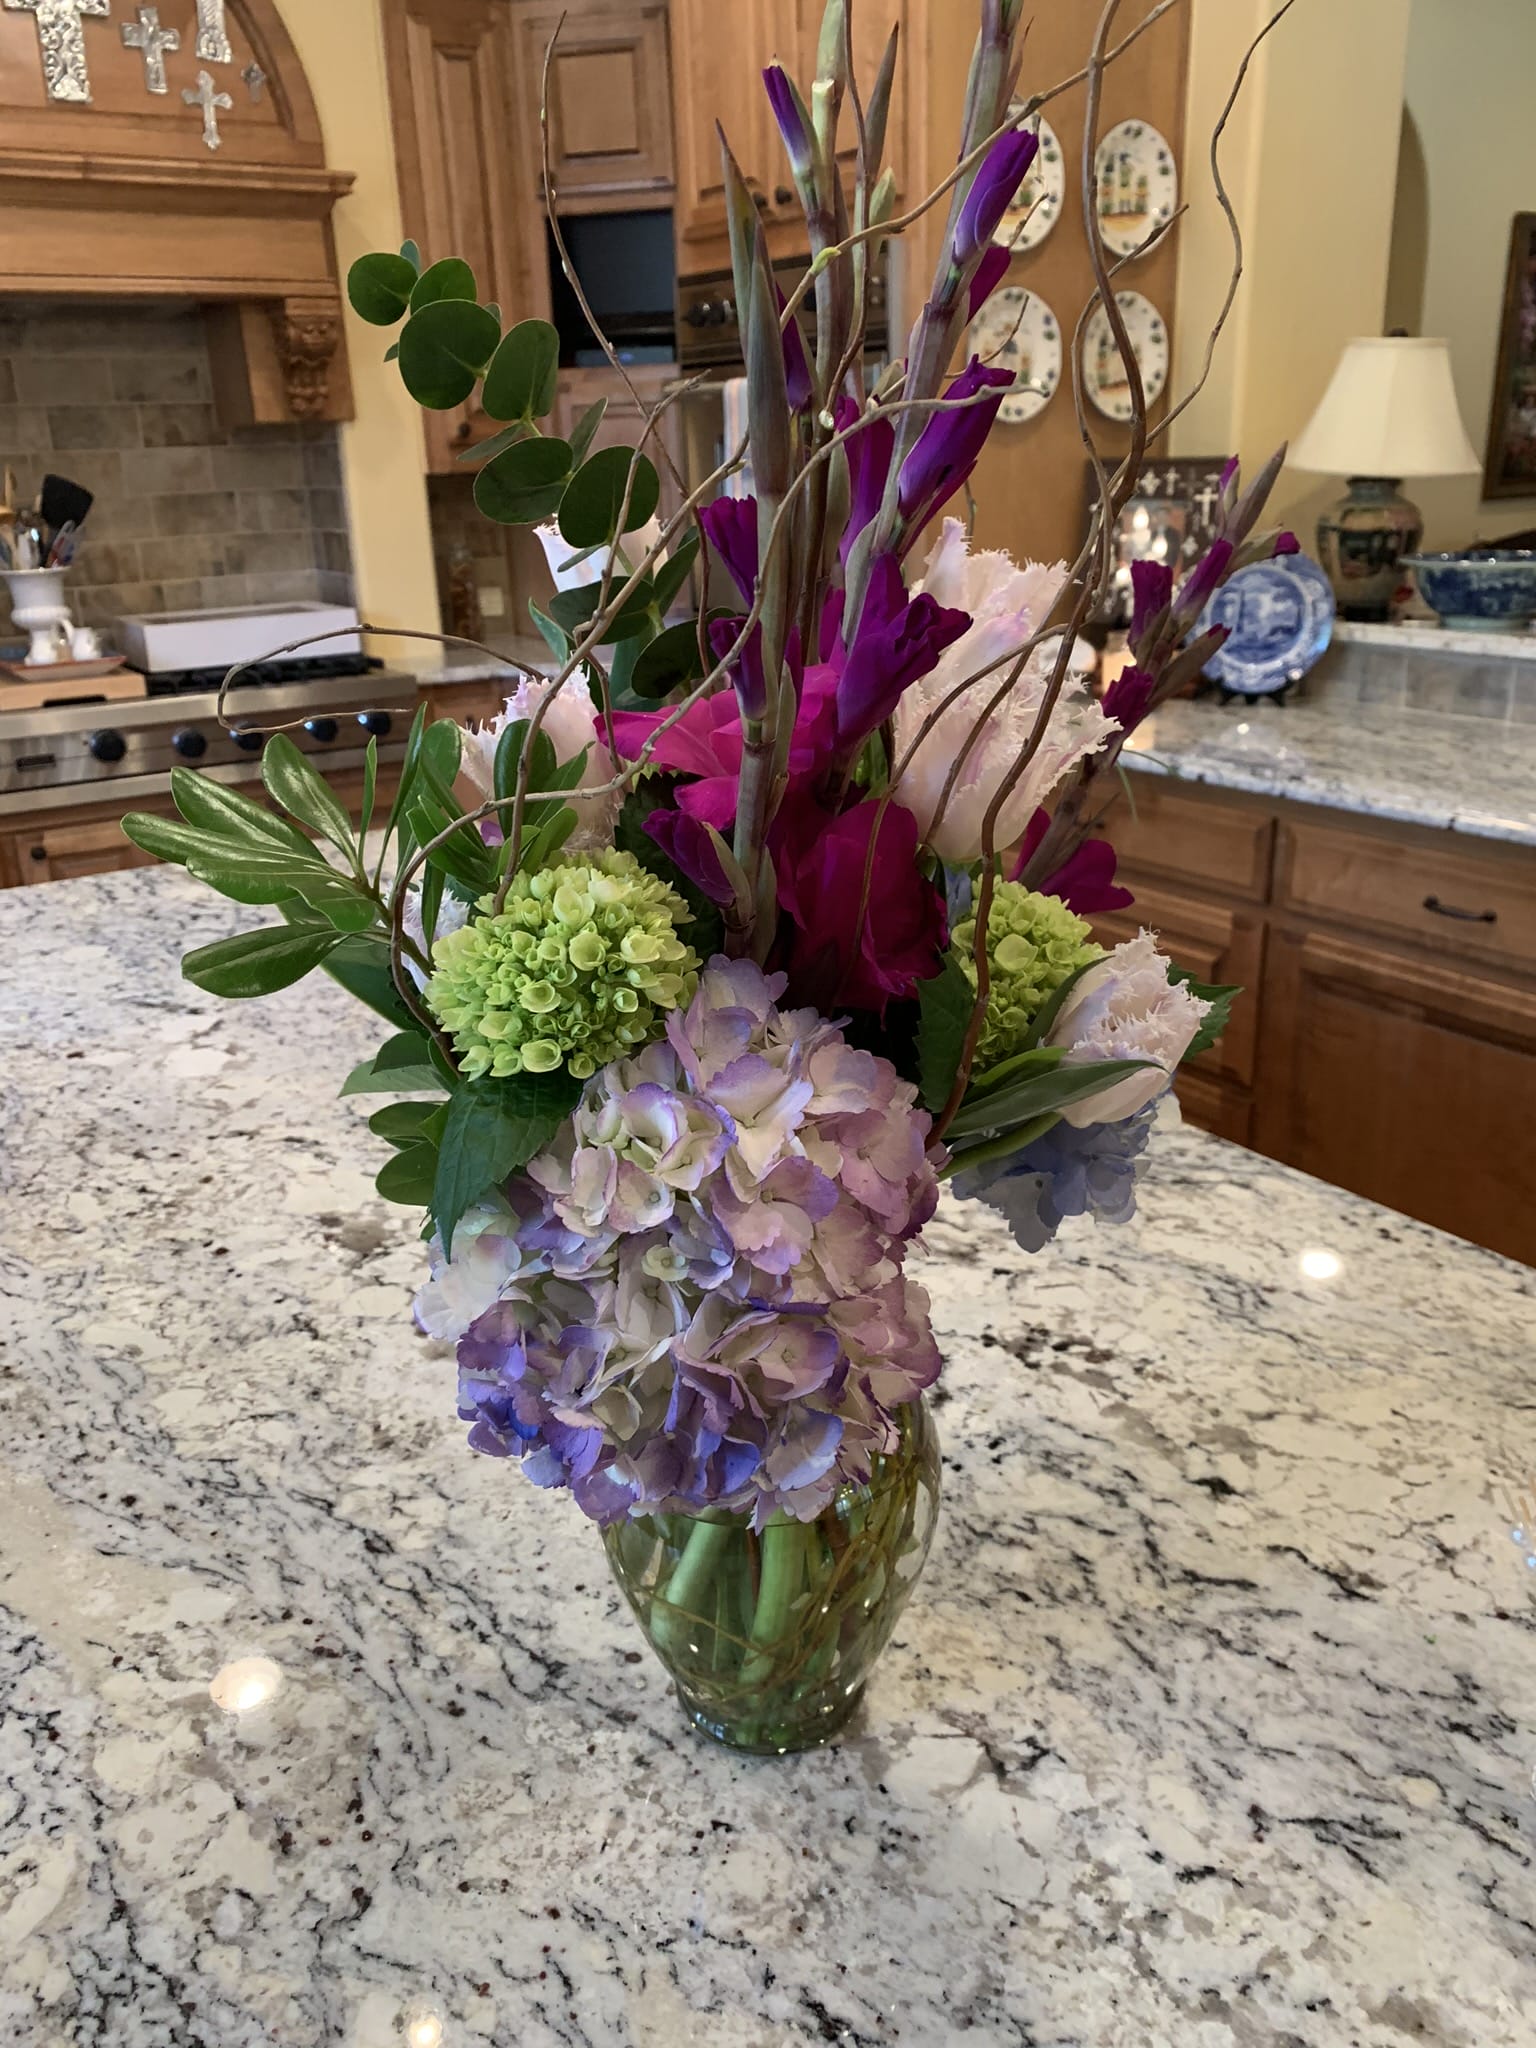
column 173, row 151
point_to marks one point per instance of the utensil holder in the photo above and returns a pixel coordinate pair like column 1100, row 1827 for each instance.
column 38, row 607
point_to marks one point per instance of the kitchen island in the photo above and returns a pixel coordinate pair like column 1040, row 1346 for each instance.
column 1212, row 1723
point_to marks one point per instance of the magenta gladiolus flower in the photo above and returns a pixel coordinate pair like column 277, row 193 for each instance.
column 830, row 961
column 1002, row 172
column 899, row 639
column 706, row 744
column 869, row 453
column 687, row 844
column 1085, row 883
column 990, row 272
column 1152, row 583
column 730, row 527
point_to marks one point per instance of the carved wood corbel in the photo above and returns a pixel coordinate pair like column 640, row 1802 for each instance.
column 308, row 334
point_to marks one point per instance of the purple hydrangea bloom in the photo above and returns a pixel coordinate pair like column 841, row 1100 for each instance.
column 1068, row 1172
column 695, row 1296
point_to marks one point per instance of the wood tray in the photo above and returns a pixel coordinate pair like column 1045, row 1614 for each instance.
column 68, row 682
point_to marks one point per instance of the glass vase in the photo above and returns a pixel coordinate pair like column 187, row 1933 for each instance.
column 770, row 1635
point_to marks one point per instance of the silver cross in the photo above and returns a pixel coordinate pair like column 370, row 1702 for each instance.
column 209, row 100
column 147, row 35
column 63, row 43
column 212, row 36
column 255, row 78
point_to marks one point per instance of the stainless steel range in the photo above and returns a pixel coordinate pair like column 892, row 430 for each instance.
column 82, row 753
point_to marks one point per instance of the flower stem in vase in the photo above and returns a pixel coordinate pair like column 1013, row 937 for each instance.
column 690, row 1597
column 784, row 1560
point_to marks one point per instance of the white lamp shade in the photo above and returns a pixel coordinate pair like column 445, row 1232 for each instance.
column 1390, row 411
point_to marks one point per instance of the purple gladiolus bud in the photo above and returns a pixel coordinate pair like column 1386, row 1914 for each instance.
column 1127, row 699
column 687, row 844
column 1002, row 172
column 990, row 272
column 869, row 454
column 899, row 639
column 1199, row 587
column 789, row 111
column 1153, row 584
column 730, row 527
column 947, row 448
column 747, row 676
column 798, row 384
column 1287, row 544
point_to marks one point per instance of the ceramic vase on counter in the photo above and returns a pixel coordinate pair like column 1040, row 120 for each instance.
column 770, row 1635
column 38, row 607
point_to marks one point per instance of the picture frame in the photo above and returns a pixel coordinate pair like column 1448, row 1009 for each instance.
column 1510, row 462
column 1172, row 518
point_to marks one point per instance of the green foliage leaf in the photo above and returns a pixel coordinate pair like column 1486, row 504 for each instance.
column 945, row 1005
column 594, row 499
column 1047, row 1090
column 379, row 288
column 442, row 749
column 408, row 1123
column 370, row 786
column 408, row 770
column 444, row 350
column 202, row 801
column 524, row 373
column 509, row 752
column 526, row 483
column 554, row 637
column 668, row 661
column 361, row 967
column 258, row 963
column 303, row 792
column 576, row 609
column 402, row 1066
column 450, row 279
column 585, row 429
column 410, row 1176
column 411, row 251
column 498, row 444
column 1045, row 1022
column 1220, row 997
column 673, row 573
column 493, row 1127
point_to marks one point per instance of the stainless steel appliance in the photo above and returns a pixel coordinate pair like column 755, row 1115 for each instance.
column 84, row 753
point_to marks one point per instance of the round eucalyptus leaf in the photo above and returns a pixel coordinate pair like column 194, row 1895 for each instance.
column 525, row 483
column 594, row 502
column 444, row 350
column 520, row 384
column 450, row 279
column 379, row 288
column 411, row 251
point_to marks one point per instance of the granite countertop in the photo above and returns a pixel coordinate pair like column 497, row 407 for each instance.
column 1212, row 1723
column 508, row 654
column 1472, row 775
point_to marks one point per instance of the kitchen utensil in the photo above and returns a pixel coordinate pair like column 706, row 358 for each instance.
column 62, row 552
column 12, row 490
column 63, row 503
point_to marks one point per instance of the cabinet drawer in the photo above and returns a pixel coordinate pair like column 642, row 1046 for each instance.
column 1225, row 845
column 1449, row 895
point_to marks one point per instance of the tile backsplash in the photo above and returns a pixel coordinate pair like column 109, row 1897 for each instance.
column 187, row 515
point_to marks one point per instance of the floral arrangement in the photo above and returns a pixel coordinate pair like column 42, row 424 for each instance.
column 761, row 914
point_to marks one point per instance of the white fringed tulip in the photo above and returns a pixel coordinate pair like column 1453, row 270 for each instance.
column 571, row 724
column 1126, row 1008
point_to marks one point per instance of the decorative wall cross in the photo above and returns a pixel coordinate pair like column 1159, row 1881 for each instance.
column 147, row 35
column 212, row 35
column 63, row 43
column 210, row 101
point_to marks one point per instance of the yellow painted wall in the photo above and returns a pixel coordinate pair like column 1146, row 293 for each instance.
column 1471, row 73
column 1311, row 162
column 341, row 46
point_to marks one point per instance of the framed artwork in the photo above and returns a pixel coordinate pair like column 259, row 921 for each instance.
column 1172, row 518
column 1510, row 467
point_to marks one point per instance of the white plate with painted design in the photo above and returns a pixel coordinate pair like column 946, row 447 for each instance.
column 1104, row 376
column 1037, row 204
column 1016, row 330
column 1138, row 186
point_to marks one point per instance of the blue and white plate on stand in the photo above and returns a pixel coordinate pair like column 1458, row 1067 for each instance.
column 1279, row 619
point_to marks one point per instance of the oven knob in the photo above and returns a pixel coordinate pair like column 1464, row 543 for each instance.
column 190, row 743
column 107, row 746
column 721, row 313
column 248, row 742
column 377, row 722
column 322, row 729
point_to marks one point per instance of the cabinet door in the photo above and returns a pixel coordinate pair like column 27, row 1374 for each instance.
column 717, row 76
column 1405, row 1080
column 609, row 104
column 58, row 852
column 450, row 83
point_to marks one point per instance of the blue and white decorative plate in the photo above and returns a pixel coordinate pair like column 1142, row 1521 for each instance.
column 1279, row 618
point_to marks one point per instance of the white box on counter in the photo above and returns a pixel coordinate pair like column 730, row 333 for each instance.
column 158, row 642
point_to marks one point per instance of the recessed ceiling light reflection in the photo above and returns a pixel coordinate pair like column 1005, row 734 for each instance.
column 246, row 1684
column 424, row 2031
column 1318, row 1264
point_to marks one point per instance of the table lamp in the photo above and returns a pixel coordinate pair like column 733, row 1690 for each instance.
column 1389, row 413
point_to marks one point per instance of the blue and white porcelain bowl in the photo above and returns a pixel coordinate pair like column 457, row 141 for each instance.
column 1480, row 590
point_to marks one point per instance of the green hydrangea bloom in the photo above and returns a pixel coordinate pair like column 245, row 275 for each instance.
column 574, row 971
column 1034, row 943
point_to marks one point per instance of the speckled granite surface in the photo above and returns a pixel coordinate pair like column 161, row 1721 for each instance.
column 1469, row 775
column 1212, row 1724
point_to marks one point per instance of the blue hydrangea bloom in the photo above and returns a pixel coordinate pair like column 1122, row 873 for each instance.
column 1068, row 1172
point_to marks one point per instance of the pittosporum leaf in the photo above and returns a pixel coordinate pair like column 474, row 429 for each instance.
column 304, row 793
column 217, row 808
column 1221, row 998
column 945, row 1005
column 258, row 963
column 1048, row 1091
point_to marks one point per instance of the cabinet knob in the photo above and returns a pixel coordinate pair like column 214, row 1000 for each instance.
column 784, row 195
column 760, row 200
column 465, row 433
column 39, row 853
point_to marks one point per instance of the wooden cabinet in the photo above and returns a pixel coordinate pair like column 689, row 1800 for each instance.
column 609, row 102
column 1404, row 1079
column 1386, row 1039
column 455, row 112
column 60, row 847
